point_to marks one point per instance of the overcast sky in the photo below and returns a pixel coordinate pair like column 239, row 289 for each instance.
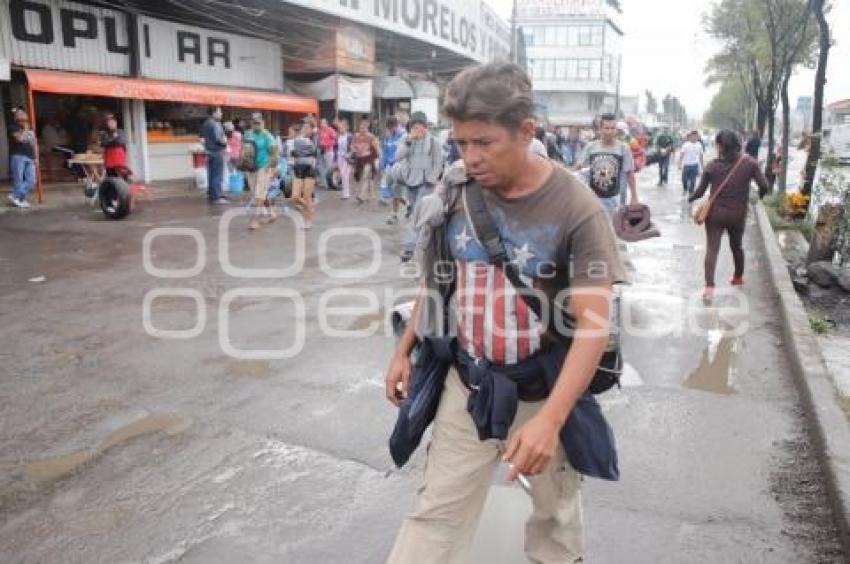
column 665, row 51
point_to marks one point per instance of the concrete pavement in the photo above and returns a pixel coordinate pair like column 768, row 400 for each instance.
column 116, row 446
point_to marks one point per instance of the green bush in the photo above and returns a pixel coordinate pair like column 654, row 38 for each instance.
column 819, row 323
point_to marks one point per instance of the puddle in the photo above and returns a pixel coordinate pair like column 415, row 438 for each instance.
column 248, row 368
column 714, row 373
column 51, row 469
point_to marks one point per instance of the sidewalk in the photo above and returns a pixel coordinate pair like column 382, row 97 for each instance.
column 715, row 460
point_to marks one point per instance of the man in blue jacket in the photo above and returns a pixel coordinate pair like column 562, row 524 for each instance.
column 215, row 145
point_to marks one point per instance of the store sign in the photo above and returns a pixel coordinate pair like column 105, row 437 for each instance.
column 457, row 26
column 355, row 50
column 63, row 35
column 354, row 94
column 174, row 51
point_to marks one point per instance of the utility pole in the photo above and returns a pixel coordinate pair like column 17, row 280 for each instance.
column 513, row 34
column 619, row 73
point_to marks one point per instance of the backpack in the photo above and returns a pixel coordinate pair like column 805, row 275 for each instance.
column 248, row 155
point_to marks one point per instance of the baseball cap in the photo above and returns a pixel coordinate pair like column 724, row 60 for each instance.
column 418, row 117
column 257, row 116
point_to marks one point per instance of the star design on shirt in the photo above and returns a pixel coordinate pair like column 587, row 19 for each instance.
column 522, row 255
column 462, row 239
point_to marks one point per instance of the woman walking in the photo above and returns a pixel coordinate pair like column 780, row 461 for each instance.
column 729, row 175
column 304, row 154
column 365, row 148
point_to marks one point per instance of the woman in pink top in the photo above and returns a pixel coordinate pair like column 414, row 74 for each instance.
column 234, row 143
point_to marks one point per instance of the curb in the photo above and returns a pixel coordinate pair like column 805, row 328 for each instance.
column 828, row 427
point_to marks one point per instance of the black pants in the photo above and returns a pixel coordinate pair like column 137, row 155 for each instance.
column 663, row 169
column 719, row 221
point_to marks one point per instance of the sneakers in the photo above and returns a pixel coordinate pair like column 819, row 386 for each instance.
column 392, row 220
column 220, row 202
column 708, row 294
column 23, row 204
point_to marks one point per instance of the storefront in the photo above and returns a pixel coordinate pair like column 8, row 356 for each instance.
column 71, row 63
column 392, row 97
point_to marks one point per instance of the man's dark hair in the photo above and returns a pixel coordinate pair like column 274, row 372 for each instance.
column 392, row 123
column 211, row 110
column 495, row 92
column 728, row 144
column 607, row 117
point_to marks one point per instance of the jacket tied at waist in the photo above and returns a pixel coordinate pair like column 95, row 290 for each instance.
column 495, row 391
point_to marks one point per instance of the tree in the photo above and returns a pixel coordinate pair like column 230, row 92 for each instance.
column 730, row 106
column 764, row 40
column 824, row 42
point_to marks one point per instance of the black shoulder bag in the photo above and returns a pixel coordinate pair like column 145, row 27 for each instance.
column 611, row 364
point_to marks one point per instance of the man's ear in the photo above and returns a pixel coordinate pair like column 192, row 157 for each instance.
column 526, row 129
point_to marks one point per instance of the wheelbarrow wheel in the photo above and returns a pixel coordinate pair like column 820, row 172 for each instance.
column 115, row 198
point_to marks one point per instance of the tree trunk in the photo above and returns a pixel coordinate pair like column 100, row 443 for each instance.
column 817, row 111
column 771, row 148
column 761, row 117
column 825, row 233
column 786, row 133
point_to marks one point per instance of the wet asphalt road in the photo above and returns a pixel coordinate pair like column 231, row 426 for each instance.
column 116, row 446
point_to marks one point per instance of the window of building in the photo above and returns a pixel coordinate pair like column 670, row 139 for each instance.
column 528, row 35
column 596, row 69
column 561, row 69
column 596, row 35
column 551, row 35
column 583, row 69
column 585, row 35
column 539, row 37
column 562, row 36
column 549, row 70
column 572, row 69
column 572, row 36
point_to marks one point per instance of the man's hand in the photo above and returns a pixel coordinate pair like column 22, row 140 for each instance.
column 532, row 446
column 397, row 381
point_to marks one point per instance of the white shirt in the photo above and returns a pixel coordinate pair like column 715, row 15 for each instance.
column 691, row 153
column 538, row 148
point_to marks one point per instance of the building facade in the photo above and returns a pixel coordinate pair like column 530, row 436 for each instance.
column 159, row 65
column 573, row 50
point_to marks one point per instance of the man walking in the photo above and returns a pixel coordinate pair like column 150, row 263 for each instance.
column 544, row 216
column 21, row 158
column 419, row 162
column 610, row 165
column 395, row 134
column 665, row 151
column 266, row 153
column 572, row 146
column 215, row 145
column 691, row 162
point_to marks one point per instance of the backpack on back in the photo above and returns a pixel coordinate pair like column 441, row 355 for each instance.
column 248, row 155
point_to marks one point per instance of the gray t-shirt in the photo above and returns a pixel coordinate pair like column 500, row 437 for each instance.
column 559, row 236
column 609, row 167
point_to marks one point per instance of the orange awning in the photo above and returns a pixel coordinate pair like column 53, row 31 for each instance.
column 60, row 82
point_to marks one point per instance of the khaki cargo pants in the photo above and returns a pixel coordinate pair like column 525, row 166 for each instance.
column 458, row 474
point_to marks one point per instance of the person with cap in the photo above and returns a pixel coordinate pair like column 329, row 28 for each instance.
column 113, row 141
column 418, row 164
column 665, row 143
column 266, row 152
column 215, row 144
column 304, row 153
